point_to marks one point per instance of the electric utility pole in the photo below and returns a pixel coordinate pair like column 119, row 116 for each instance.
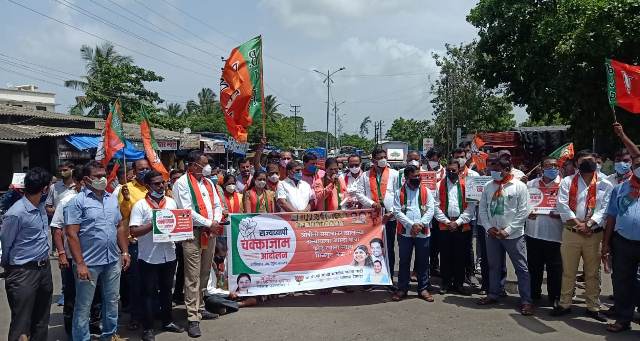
column 328, row 80
column 295, row 123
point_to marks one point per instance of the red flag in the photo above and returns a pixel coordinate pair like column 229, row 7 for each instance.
column 564, row 153
column 241, row 92
column 479, row 157
column 113, row 176
column 150, row 146
column 624, row 85
column 112, row 138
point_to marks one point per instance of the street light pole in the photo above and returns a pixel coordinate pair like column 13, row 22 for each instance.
column 328, row 80
column 335, row 121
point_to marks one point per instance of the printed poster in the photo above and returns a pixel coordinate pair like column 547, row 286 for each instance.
column 543, row 200
column 475, row 186
column 288, row 252
column 172, row 225
column 429, row 178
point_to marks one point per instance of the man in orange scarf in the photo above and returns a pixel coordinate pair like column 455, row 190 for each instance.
column 503, row 210
column 582, row 203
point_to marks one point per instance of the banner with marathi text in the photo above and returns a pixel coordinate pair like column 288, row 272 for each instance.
column 288, row 252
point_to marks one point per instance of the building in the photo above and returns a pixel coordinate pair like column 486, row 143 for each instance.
column 27, row 96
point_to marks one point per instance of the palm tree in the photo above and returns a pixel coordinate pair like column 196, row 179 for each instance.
column 206, row 101
column 94, row 58
column 173, row 109
column 364, row 126
column 271, row 109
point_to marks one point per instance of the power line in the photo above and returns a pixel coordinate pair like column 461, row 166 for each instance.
column 107, row 40
column 40, row 66
column 402, row 74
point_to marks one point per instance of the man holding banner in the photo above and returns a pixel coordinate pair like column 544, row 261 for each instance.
column 413, row 208
column 376, row 189
column 195, row 192
column 156, row 261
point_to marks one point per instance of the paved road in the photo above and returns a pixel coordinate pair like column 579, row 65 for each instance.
column 372, row 316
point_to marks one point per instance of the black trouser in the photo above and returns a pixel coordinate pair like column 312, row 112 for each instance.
column 158, row 279
column 434, row 245
column 130, row 288
column 69, row 293
column 453, row 256
column 626, row 259
column 484, row 261
column 390, row 233
column 178, row 290
column 543, row 254
column 29, row 289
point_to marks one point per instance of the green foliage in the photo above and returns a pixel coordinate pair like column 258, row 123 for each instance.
column 410, row 131
column 358, row 141
column 364, row 126
column 549, row 55
column 111, row 76
column 460, row 101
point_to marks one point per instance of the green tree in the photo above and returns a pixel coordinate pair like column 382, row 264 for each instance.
column 364, row 126
column 460, row 101
column 410, row 131
column 173, row 110
column 549, row 56
column 111, row 76
column 358, row 141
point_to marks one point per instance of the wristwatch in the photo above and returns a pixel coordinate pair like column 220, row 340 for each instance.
column 589, row 223
column 125, row 254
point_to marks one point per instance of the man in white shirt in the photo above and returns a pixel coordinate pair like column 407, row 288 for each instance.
column 517, row 174
column 351, row 175
column 376, row 189
column 503, row 210
column 544, row 236
column 582, row 204
column 453, row 214
column 294, row 194
column 156, row 261
column 622, row 167
column 413, row 208
column 433, row 163
column 195, row 192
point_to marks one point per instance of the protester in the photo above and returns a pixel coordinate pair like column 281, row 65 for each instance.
column 98, row 243
column 178, row 287
column 285, row 157
column 195, row 192
column 311, row 174
column 622, row 167
column 273, row 175
column 331, row 196
column 28, row 281
column 413, row 208
column 433, row 163
column 453, row 213
column 257, row 198
column 582, row 203
column 157, row 260
column 621, row 248
column 58, row 191
column 544, row 237
column 503, row 209
column 376, row 189
column 413, row 159
column 174, row 175
column 293, row 194
column 245, row 175
column 232, row 198
column 350, row 178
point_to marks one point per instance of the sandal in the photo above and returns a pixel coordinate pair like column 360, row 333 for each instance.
column 486, row 301
column 425, row 295
column 617, row 327
column 398, row 296
column 526, row 310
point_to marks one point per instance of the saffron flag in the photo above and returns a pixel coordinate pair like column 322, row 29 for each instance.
column 112, row 139
column 564, row 153
column 623, row 85
column 241, row 88
column 477, row 156
column 150, row 146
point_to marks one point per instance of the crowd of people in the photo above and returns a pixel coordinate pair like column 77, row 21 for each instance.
column 107, row 257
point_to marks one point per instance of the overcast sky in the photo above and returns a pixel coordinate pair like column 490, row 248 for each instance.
column 385, row 46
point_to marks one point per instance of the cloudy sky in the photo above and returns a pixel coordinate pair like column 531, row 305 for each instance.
column 385, row 46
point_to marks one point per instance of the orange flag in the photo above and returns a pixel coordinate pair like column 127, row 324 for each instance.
column 479, row 157
column 150, row 146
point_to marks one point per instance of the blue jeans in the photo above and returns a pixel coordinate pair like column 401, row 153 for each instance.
column 108, row 276
column 517, row 250
column 406, row 246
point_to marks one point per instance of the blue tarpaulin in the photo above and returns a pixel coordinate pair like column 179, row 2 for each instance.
column 83, row 142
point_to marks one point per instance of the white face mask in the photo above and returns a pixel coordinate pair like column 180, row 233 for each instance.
column 230, row 188
column 434, row 164
column 206, row 170
column 274, row 178
column 414, row 163
column 99, row 184
column 462, row 162
column 260, row 184
column 354, row 170
column 382, row 163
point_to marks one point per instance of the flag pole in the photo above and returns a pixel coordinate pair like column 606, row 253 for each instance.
column 613, row 111
column 264, row 118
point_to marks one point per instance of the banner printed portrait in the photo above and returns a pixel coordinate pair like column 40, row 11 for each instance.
column 288, row 252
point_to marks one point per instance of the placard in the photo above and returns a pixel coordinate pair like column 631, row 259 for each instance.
column 429, row 178
column 543, row 200
column 17, row 181
column 172, row 225
column 475, row 186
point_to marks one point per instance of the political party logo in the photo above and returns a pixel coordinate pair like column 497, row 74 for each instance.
column 627, row 81
column 535, row 197
column 165, row 221
column 265, row 243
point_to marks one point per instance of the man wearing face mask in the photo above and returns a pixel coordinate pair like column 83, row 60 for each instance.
column 622, row 167
column 331, row 196
column 311, row 174
column 503, row 210
column 544, row 237
column 98, row 242
column 582, row 203
column 350, row 178
column 60, row 189
column 245, row 174
column 285, row 157
column 157, row 261
column 295, row 195
column 273, row 177
column 460, row 155
column 25, row 258
column 129, row 195
column 376, row 189
column 195, row 192
column 413, row 159
column 433, row 164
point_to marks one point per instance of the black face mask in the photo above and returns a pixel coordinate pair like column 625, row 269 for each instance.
column 588, row 166
column 453, row 177
column 414, row 182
